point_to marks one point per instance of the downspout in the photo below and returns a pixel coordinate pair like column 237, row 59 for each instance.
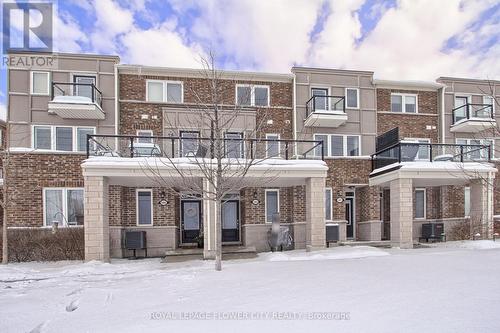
column 117, row 113
column 294, row 116
column 443, row 122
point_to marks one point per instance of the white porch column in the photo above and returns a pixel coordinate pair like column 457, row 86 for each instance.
column 402, row 213
column 481, row 206
column 209, row 215
column 96, row 220
column 315, row 213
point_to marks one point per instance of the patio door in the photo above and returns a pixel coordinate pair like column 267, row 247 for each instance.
column 83, row 87
column 231, row 221
column 350, row 214
column 460, row 108
column 190, row 220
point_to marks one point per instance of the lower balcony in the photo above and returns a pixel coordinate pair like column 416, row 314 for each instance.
column 76, row 101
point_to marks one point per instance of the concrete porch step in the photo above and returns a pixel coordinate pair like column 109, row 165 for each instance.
column 228, row 252
column 383, row 244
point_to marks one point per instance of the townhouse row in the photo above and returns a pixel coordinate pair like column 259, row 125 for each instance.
column 375, row 159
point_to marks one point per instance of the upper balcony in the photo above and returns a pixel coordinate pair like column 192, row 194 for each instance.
column 76, row 101
column 325, row 111
column 473, row 118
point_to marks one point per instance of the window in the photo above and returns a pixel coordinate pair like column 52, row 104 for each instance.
column 272, row 145
column 476, row 153
column 423, row 150
column 64, row 206
column 42, row 137
column 352, row 98
column 234, row 145
column 320, row 103
column 61, row 138
column 64, row 138
column 247, row 95
column 164, row 91
column 81, row 137
column 84, row 87
column 467, row 201
column 338, row 145
column 40, row 83
column 420, row 203
column 272, row 204
column 489, row 100
column 144, row 207
column 328, row 204
column 404, row 103
column 189, row 143
column 145, row 136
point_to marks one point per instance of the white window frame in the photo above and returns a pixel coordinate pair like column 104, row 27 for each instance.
column 137, row 206
column 329, row 147
column 403, row 102
column 278, row 142
column 417, row 140
column 242, row 144
column 357, row 99
column 32, row 81
column 265, row 201
column 65, row 204
column 329, row 218
column 493, row 102
column 467, row 189
column 145, row 137
column 425, row 203
column 483, row 142
column 165, row 91
column 53, row 144
column 252, row 94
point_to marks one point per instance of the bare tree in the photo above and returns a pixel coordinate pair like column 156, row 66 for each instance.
column 218, row 160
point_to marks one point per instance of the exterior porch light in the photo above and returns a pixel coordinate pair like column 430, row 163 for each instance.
column 163, row 201
column 255, row 201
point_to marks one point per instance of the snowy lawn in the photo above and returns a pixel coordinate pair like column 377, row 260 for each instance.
column 450, row 287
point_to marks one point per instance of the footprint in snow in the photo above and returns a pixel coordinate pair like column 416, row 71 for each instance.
column 74, row 292
column 109, row 298
column 40, row 328
column 73, row 305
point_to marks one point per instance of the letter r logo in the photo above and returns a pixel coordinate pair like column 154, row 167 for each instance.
column 27, row 26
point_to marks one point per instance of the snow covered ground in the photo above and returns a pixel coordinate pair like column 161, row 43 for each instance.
column 446, row 288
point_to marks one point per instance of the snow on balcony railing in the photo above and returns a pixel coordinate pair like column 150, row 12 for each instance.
column 190, row 145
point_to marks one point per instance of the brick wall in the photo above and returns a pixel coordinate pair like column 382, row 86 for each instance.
column 122, row 207
column 197, row 90
column 352, row 171
column 28, row 174
column 291, row 200
column 410, row 125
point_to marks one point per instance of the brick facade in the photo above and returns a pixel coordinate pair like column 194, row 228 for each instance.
column 277, row 118
column 28, row 174
column 423, row 124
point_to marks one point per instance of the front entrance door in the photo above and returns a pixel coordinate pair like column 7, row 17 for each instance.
column 349, row 214
column 231, row 221
column 190, row 220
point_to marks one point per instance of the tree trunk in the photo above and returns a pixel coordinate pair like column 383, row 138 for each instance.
column 5, row 249
column 218, row 236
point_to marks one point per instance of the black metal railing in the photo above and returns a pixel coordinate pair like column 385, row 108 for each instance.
column 469, row 110
column 199, row 147
column 88, row 90
column 325, row 104
column 430, row 152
